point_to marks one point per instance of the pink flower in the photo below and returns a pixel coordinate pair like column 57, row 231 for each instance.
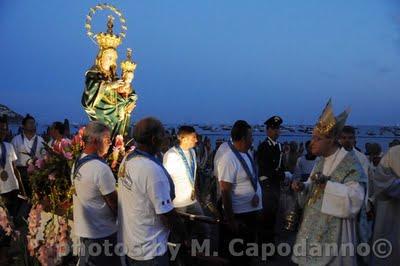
column 33, row 243
column 31, row 168
column 65, row 143
column 43, row 258
column 132, row 148
column 119, row 142
column 57, row 146
column 52, row 177
column 39, row 163
column 68, row 155
column 81, row 131
column 4, row 222
column 39, row 208
column 77, row 140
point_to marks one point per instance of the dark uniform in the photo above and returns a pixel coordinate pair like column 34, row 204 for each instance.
column 270, row 171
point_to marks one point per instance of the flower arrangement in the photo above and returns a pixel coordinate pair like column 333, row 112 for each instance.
column 52, row 189
column 51, row 185
column 56, row 239
column 5, row 222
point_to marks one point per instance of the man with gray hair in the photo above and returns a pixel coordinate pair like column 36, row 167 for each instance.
column 95, row 199
column 146, row 210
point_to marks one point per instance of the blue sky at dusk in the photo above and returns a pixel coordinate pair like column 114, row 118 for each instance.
column 211, row 61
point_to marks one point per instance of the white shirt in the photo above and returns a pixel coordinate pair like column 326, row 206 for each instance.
column 24, row 146
column 176, row 168
column 11, row 183
column 93, row 218
column 230, row 170
column 221, row 150
column 272, row 141
column 144, row 194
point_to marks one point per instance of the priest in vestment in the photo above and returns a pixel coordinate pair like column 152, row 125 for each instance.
column 385, row 196
column 331, row 197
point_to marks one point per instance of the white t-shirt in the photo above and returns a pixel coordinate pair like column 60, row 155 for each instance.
column 11, row 183
column 24, row 146
column 221, row 150
column 176, row 168
column 93, row 218
column 144, row 194
column 230, row 170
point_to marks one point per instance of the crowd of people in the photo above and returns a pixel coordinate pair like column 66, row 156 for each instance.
column 176, row 188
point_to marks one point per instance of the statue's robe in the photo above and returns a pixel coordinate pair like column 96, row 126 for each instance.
column 103, row 104
column 385, row 196
column 330, row 212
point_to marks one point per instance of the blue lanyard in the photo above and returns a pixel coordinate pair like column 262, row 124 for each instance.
column 190, row 169
column 3, row 155
column 32, row 152
column 138, row 152
column 252, row 177
column 80, row 162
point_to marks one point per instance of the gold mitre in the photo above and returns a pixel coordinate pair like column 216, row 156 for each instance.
column 128, row 65
column 328, row 124
column 108, row 39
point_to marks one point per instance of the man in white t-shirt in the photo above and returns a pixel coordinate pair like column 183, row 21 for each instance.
column 95, row 199
column 146, row 193
column 240, row 189
column 9, row 178
column 181, row 163
column 27, row 146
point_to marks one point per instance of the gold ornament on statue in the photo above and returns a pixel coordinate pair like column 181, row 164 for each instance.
column 107, row 97
column 128, row 65
column 107, row 39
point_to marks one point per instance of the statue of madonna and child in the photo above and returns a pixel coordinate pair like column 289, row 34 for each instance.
column 107, row 97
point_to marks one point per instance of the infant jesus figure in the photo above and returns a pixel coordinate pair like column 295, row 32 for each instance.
column 125, row 92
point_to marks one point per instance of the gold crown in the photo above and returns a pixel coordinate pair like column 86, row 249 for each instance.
column 108, row 39
column 328, row 124
column 128, row 65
